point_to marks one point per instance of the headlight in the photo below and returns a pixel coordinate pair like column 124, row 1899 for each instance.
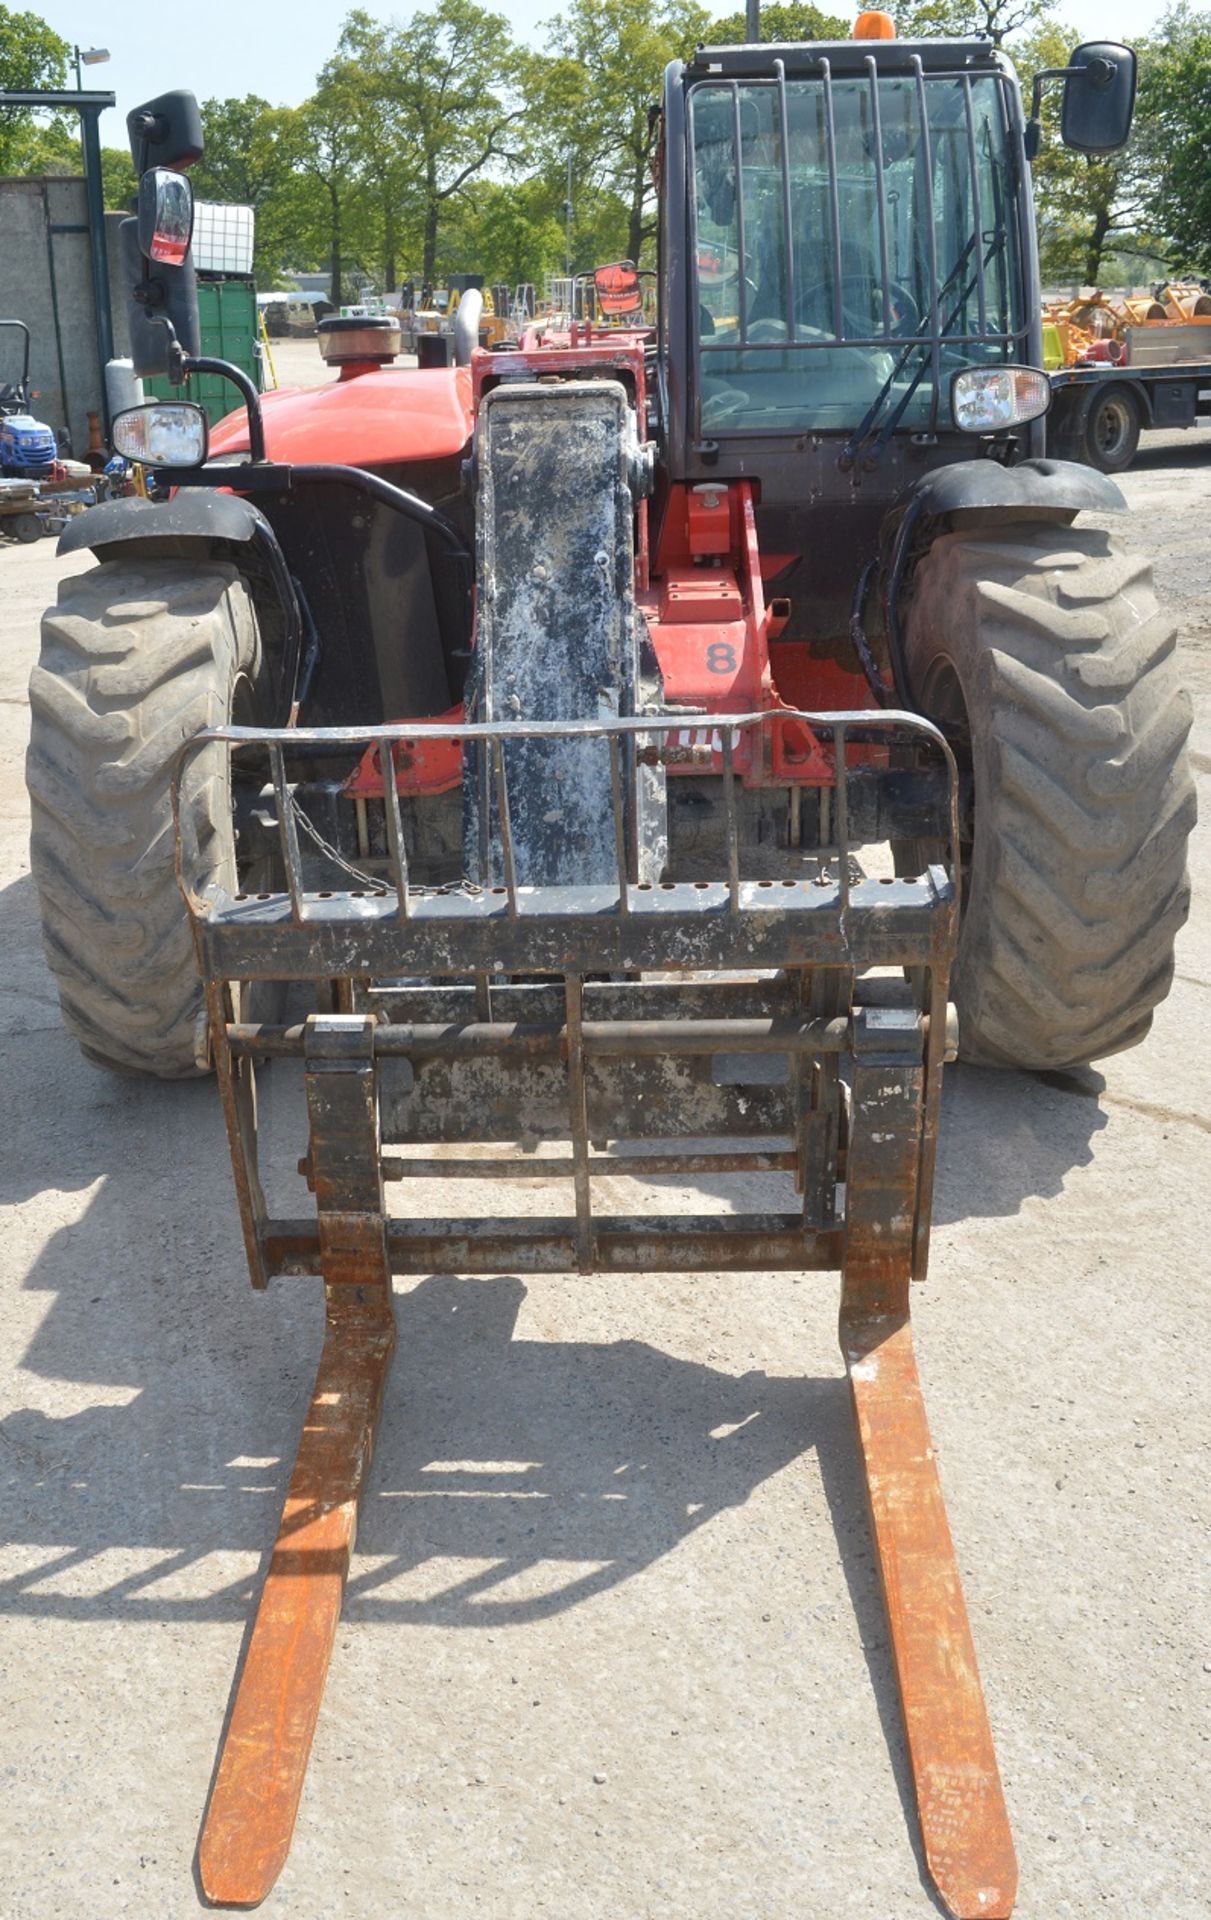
column 988, row 399
column 164, row 433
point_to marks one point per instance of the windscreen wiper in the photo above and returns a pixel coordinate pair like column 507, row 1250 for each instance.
column 869, row 418
column 893, row 419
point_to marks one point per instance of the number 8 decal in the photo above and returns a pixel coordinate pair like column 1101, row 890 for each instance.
column 721, row 657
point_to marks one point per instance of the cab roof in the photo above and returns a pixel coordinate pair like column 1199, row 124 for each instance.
column 846, row 57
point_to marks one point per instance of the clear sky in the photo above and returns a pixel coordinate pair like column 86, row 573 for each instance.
column 275, row 47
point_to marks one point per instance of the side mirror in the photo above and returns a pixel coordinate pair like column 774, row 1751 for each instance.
column 158, row 292
column 1099, row 97
column 165, row 216
column 165, row 132
column 165, row 135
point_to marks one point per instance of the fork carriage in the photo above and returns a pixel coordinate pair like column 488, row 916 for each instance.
column 622, row 1026
column 595, row 1018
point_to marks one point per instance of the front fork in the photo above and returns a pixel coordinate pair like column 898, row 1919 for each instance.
column 888, row 1153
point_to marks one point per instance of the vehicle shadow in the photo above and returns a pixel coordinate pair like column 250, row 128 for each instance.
column 1009, row 1137
column 1005, row 1138
column 1155, row 459
column 496, row 1450
column 513, row 1479
column 28, row 1001
column 598, row 1456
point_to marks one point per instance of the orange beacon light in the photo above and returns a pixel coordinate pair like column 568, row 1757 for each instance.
column 874, row 26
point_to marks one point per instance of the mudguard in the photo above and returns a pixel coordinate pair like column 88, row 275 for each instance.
column 192, row 513
column 1032, row 490
column 1050, row 486
column 199, row 513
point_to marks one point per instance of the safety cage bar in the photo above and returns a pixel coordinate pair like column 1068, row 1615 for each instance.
column 586, row 1014
column 511, row 911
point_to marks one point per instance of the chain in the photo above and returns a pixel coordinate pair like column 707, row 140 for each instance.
column 330, row 853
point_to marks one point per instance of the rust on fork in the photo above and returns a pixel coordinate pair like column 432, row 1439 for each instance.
column 255, row 1798
column 964, row 1824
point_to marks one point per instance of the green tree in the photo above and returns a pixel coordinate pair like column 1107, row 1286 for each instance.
column 597, row 92
column 994, row 20
column 53, row 147
column 119, row 181
column 44, row 146
column 1174, row 116
column 441, row 93
column 330, row 158
column 32, row 55
column 510, row 231
column 780, row 23
column 364, row 48
column 252, row 153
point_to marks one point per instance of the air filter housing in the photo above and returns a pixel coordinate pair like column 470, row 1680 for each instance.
column 348, row 337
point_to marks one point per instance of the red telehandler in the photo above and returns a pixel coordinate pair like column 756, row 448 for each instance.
column 514, row 728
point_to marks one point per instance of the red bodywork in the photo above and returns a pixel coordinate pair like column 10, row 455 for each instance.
column 387, row 417
column 701, row 591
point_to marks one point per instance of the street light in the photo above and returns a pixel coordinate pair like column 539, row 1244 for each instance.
column 88, row 57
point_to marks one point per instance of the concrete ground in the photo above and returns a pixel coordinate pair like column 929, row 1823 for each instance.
column 613, row 1644
column 297, row 363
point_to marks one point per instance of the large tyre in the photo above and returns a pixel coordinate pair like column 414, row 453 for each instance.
column 138, row 656
column 1044, row 651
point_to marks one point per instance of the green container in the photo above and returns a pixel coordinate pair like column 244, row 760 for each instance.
column 228, row 313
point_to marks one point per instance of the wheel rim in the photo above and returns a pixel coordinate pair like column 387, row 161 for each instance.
column 246, row 709
column 1112, row 428
column 942, row 699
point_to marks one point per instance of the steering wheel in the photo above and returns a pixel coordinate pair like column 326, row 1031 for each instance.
column 815, row 303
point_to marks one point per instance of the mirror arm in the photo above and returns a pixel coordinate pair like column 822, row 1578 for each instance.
column 1034, row 126
column 238, row 378
column 181, row 365
column 150, row 128
column 149, row 294
column 1036, row 92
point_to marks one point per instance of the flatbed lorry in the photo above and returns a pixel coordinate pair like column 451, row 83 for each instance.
column 1099, row 412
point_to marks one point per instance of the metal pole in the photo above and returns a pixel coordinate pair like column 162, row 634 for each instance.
column 94, row 194
column 567, row 209
column 752, row 22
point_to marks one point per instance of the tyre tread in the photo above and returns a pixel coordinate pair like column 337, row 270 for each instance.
column 137, row 656
column 1084, row 798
